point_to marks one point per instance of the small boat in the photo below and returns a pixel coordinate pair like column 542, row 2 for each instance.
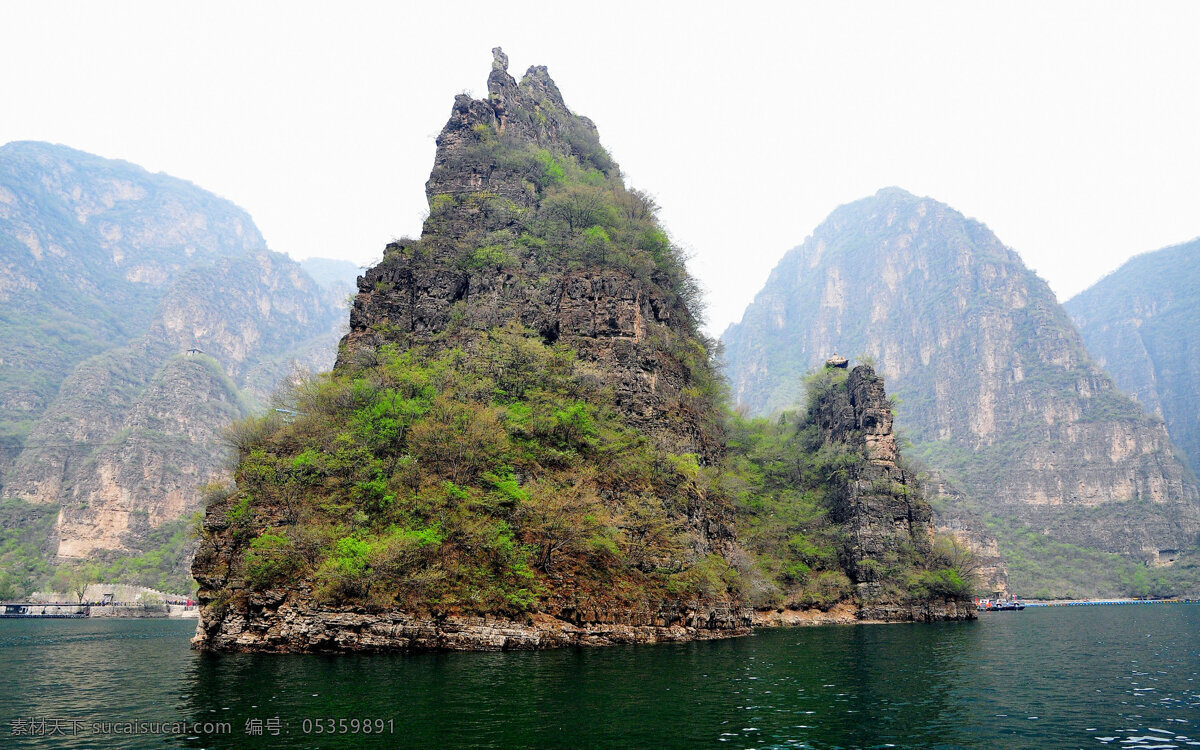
column 999, row 605
column 1009, row 605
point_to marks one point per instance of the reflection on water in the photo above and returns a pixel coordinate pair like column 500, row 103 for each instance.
column 1121, row 676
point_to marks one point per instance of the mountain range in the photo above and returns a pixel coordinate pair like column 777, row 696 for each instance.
column 141, row 315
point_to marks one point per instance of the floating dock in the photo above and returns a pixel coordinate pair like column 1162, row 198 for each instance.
column 38, row 609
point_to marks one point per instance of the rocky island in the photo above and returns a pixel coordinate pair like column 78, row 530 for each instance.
column 525, row 442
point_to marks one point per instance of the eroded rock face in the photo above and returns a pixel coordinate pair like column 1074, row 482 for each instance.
column 635, row 330
column 615, row 322
column 169, row 445
column 1142, row 323
column 87, row 248
column 971, row 531
column 287, row 621
column 878, row 504
column 881, row 610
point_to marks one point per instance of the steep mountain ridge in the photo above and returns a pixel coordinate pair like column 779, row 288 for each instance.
column 1142, row 322
column 997, row 391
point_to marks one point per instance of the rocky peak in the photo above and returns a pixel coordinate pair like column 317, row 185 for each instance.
column 499, row 60
column 530, row 222
column 859, row 414
column 537, row 341
column 878, row 503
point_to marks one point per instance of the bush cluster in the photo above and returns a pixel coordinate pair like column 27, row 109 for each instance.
column 472, row 479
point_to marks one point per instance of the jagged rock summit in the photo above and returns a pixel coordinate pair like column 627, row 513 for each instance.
column 530, row 223
column 878, row 503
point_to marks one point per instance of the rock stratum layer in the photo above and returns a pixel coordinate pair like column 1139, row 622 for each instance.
column 521, row 443
column 292, row 623
column 998, row 393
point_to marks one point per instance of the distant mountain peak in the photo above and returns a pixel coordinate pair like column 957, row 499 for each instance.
column 997, row 388
column 1142, row 322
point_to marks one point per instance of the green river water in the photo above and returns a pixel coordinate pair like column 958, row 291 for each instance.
column 1088, row 677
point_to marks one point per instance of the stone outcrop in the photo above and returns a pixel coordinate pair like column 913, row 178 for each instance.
column 997, row 392
column 614, row 322
column 517, row 241
column 881, row 609
column 636, row 329
column 878, row 504
column 288, row 621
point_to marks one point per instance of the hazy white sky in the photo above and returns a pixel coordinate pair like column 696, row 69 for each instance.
column 1070, row 128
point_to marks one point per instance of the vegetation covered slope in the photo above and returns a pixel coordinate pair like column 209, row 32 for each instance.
column 109, row 276
column 520, row 418
column 1142, row 323
column 997, row 392
column 524, row 423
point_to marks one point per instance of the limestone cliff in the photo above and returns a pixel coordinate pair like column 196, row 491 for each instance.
column 997, row 391
column 955, row 514
column 88, row 246
column 141, row 316
column 133, row 433
column 1142, row 323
